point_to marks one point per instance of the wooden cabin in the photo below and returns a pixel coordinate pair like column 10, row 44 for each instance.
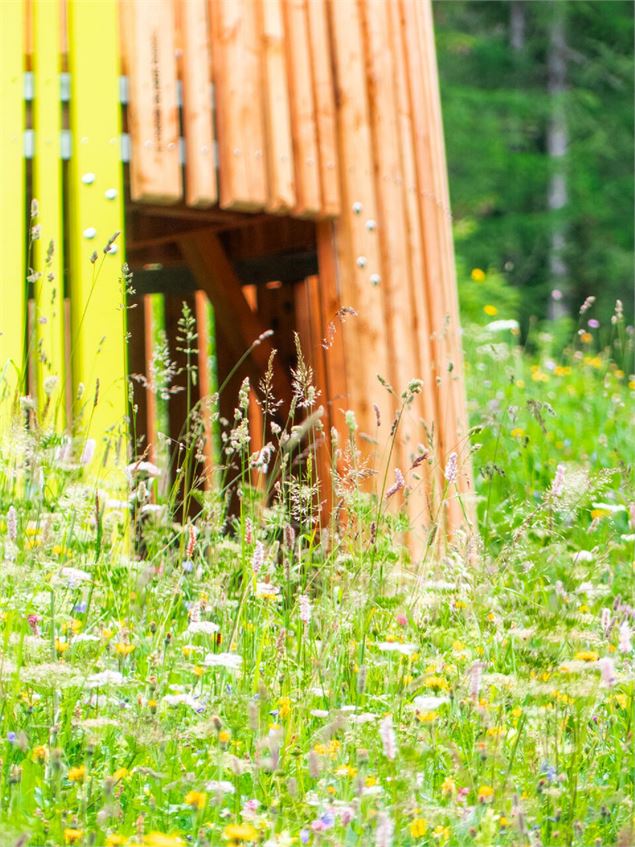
column 281, row 160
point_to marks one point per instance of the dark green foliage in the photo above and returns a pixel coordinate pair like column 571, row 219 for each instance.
column 496, row 111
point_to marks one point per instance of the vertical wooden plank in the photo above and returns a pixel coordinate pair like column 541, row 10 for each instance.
column 237, row 68
column 324, row 96
column 418, row 270
column 435, row 221
column 332, row 333
column 155, row 170
column 365, row 337
column 279, row 145
column 425, row 31
column 12, row 200
column 47, row 188
column 427, row 215
column 96, row 213
column 311, row 330
column 303, row 114
column 399, row 305
column 200, row 164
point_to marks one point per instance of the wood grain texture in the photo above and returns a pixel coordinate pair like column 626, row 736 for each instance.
column 153, row 119
column 279, row 143
column 303, row 113
column 198, row 130
column 240, row 118
column 324, row 97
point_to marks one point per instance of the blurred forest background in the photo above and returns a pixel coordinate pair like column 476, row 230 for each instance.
column 538, row 110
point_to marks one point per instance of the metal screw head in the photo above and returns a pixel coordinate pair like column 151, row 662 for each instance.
column 357, row 207
column 361, row 261
column 375, row 279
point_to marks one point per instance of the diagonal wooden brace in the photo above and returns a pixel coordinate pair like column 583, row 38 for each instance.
column 241, row 325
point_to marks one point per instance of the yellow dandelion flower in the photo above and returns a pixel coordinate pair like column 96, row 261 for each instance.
column 503, row 822
column 441, row 833
column 115, row 840
column 370, row 781
column 490, row 310
column 120, row 773
column 284, row 707
column 427, row 717
column 437, row 683
column 77, row 773
column 61, row 646
column 160, row 839
column 478, row 275
column 586, row 656
column 73, row 836
column 448, row 786
column 418, row 827
column 196, row 799
column 518, row 432
column 122, row 649
column 240, row 832
column 40, row 753
column 485, row 793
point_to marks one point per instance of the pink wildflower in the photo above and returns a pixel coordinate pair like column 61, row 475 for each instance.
column 305, row 608
column 451, row 468
column 558, row 481
column 607, row 668
column 388, row 737
column 397, row 485
column 258, row 557
column 625, row 645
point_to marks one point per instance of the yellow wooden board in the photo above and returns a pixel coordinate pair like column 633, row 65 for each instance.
column 48, row 345
column 12, row 198
column 95, row 202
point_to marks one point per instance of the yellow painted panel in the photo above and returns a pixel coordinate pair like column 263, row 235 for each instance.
column 95, row 202
column 47, row 188
column 12, row 199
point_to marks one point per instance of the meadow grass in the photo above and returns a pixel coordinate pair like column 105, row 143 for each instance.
column 260, row 679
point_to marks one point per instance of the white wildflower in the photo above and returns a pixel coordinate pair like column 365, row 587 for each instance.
column 405, row 649
column 97, row 680
column 202, row 627
column 232, row 661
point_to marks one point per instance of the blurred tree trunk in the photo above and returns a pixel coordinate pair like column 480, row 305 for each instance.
column 517, row 24
column 557, row 142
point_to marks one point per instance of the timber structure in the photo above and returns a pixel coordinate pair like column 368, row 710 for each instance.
column 281, row 160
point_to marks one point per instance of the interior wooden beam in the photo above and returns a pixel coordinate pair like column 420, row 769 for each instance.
column 242, row 326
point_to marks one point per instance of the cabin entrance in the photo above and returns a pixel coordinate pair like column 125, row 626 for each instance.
column 246, row 284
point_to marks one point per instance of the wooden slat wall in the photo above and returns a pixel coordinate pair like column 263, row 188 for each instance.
column 47, row 188
column 303, row 113
column 279, row 145
column 238, row 83
column 12, row 201
column 155, row 172
column 324, row 96
column 392, row 233
column 359, row 261
column 200, row 174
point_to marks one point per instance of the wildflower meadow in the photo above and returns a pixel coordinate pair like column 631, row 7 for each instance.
column 247, row 673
